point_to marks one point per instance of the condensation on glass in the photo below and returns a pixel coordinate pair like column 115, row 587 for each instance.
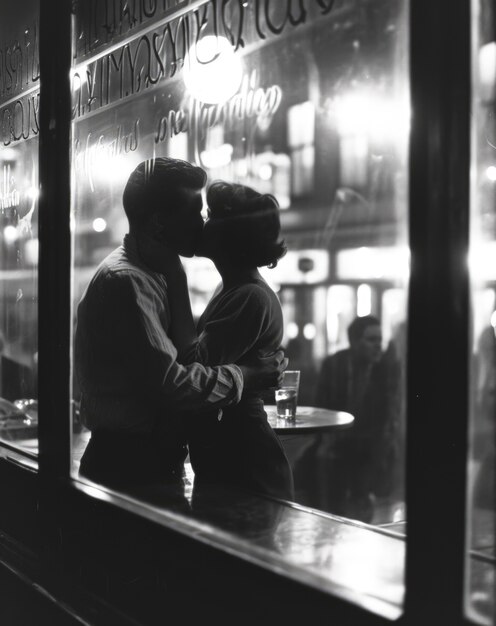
column 308, row 101
column 480, row 564
column 19, row 127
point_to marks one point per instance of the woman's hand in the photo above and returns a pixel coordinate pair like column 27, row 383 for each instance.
column 161, row 258
column 265, row 372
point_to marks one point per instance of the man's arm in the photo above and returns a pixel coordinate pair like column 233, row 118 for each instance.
column 263, row 372
column 266, row 372
column 153, row 356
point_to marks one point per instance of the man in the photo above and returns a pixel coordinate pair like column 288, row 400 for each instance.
column 362, row 381
column 132, row 385
column 345, row 376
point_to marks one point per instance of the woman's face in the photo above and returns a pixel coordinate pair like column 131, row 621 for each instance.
column 210, row 241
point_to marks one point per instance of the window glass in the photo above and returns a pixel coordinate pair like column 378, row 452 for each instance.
column 480, row 581
column 308, row 102
column 19, row 105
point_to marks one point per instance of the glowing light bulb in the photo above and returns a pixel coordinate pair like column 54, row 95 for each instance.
column 491, row 173
column 265, row 171
column 32, row 193
column 309, row 331
column 212, row 72
column 292, row 330
column 10, row 234
column 99, row 224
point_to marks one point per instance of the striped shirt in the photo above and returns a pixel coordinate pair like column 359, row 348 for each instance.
column 126, row 363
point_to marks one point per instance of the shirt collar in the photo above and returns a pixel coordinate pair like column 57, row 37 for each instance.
column 130, row 246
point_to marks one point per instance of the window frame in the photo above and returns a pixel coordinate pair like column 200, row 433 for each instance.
column 437, row 386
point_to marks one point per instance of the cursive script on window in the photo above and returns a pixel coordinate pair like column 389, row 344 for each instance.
column 161, row 53
column 251, row 102
column 19, row 64
column 98, row 149
column 99, row 23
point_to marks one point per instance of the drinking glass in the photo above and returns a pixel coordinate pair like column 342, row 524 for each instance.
column 287, row 395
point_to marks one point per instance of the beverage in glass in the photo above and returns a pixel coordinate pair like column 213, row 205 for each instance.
column 286, row 402
column 287, row 395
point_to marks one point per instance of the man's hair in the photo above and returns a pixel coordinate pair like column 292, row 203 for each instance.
column 248, row 223
column 359, row 325
column 153, row 185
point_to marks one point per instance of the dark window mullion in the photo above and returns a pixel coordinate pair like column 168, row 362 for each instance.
column 438, row 310
column 54, row 235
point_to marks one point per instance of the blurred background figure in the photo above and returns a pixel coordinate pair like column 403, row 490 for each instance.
column 363, row 380
column 344, row 376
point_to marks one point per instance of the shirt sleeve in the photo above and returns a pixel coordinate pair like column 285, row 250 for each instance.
column 154, row 357
column 237, row 326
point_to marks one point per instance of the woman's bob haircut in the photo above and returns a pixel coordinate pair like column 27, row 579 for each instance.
column 245, row 225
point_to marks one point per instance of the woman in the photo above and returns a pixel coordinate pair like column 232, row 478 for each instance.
column 237, row 446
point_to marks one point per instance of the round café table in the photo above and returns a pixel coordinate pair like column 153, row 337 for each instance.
column 309, row 420
column 304, row 440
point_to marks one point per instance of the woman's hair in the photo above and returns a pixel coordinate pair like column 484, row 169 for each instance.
column 247, row 224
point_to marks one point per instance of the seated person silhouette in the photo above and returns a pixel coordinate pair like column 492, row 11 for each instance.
column 360, row 380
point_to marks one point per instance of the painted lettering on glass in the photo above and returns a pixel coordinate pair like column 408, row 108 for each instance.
column 162, row 53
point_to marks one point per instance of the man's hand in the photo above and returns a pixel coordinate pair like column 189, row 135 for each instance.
column 266, row 372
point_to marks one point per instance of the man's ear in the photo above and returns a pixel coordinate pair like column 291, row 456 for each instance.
column 156, row 228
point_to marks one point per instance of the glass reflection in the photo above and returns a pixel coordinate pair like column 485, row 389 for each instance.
column 481, row 461
column 312, row 108
column 19, row 102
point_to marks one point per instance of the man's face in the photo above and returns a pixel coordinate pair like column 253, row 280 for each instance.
column 369, row 347
column 183, row 223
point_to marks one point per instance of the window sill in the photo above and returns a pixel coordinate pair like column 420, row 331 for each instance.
column 348, row 559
